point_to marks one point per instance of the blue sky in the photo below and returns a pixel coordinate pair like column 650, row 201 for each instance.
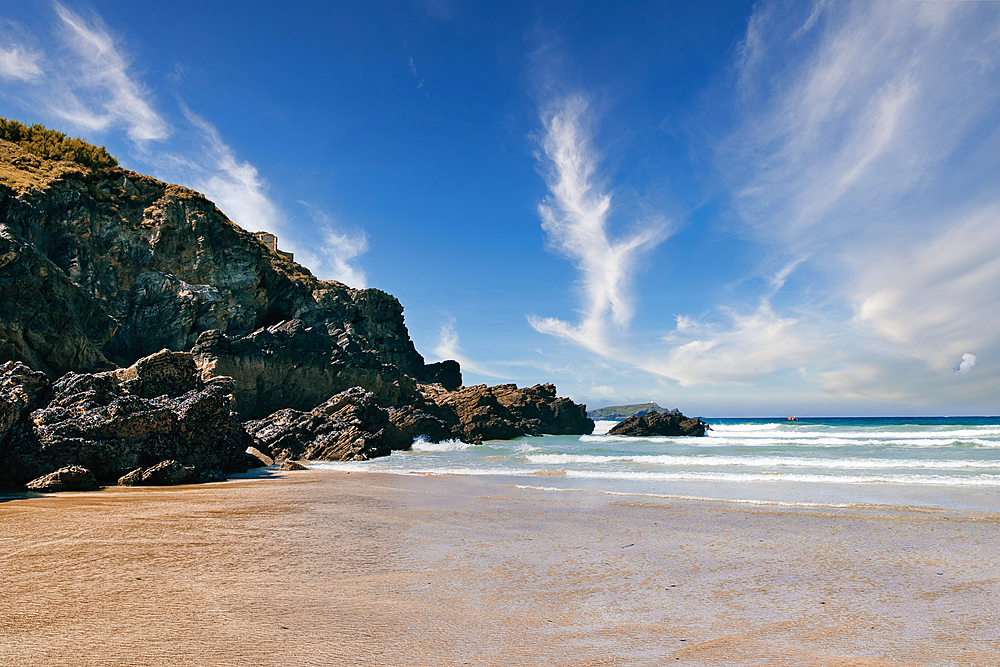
column 733, row 208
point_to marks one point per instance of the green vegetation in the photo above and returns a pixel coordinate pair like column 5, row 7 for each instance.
column 53, row 145
column 624, row 411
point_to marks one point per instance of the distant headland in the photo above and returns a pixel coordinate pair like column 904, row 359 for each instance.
column 619, row 412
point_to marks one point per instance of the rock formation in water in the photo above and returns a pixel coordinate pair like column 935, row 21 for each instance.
column 478, row 413
column 657, row 423
column 106, row 275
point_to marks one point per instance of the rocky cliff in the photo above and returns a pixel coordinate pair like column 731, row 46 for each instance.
column 124, row 265
column 101, row 267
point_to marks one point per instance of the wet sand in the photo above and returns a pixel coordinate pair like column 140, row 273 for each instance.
column 320, row 568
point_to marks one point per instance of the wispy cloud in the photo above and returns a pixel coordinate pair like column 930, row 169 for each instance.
column 243, row 194
column 330, row 260
column 868, row 158
column 575, row 219
column 98, row 89
column 438, row 9
column 19, row 63
column 743, row 348
column 857, row 117
column 866, row 170
column 448, row 348
column 235, row 185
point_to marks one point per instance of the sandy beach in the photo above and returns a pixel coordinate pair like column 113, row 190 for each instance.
column 322, row 568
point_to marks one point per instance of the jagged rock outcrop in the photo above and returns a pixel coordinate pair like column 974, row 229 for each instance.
column 114, row 422
column 290, row 365
column 170, row 473
column 447, row 373
column 657, row 423
column 478, row 413
column 47, row 322
column 20, row 389
column 350, row 426
column 70, row 478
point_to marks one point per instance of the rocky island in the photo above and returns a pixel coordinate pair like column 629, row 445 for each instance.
column 660, row 424
column 147, row 339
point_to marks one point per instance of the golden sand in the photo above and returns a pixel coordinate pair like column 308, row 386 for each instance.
column 321, row 568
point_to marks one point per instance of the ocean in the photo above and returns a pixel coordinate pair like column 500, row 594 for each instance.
column 870, row 464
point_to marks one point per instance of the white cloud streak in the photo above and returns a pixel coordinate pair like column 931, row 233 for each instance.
column 448, row 348
column 331, row 259
column 19, row 63
column 575, row 219
column 234, row 185
column 98, row 90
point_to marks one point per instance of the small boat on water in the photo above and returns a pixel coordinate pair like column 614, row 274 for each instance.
column 793, row 419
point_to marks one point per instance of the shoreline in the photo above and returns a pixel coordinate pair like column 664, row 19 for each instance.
column 334, row 568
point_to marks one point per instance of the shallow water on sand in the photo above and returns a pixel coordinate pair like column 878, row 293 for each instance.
column 948, row 463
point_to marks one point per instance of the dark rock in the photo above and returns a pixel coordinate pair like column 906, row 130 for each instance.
column 446, row 373
column 168, row 473
column 163, row 373
column 290, row 365
column 20, row 388
column 542, row 411
column 350, row 426
column 288, row 464
column 478, row 413
column 46, row 320
column 257, row 458
column 413, row 422
column 95, row 421
column 70, row 478
column 656, row 423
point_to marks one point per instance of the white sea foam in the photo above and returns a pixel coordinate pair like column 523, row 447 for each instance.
column 860, row 434
column 773, row 477
column 763, row 461
column 746, row 428
column 933, row 440
column 423, row 445
column 602, row 426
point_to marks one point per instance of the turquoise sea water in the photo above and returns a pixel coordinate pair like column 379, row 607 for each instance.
column 932, row 462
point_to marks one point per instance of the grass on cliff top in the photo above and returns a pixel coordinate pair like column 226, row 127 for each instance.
column 52, row 145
